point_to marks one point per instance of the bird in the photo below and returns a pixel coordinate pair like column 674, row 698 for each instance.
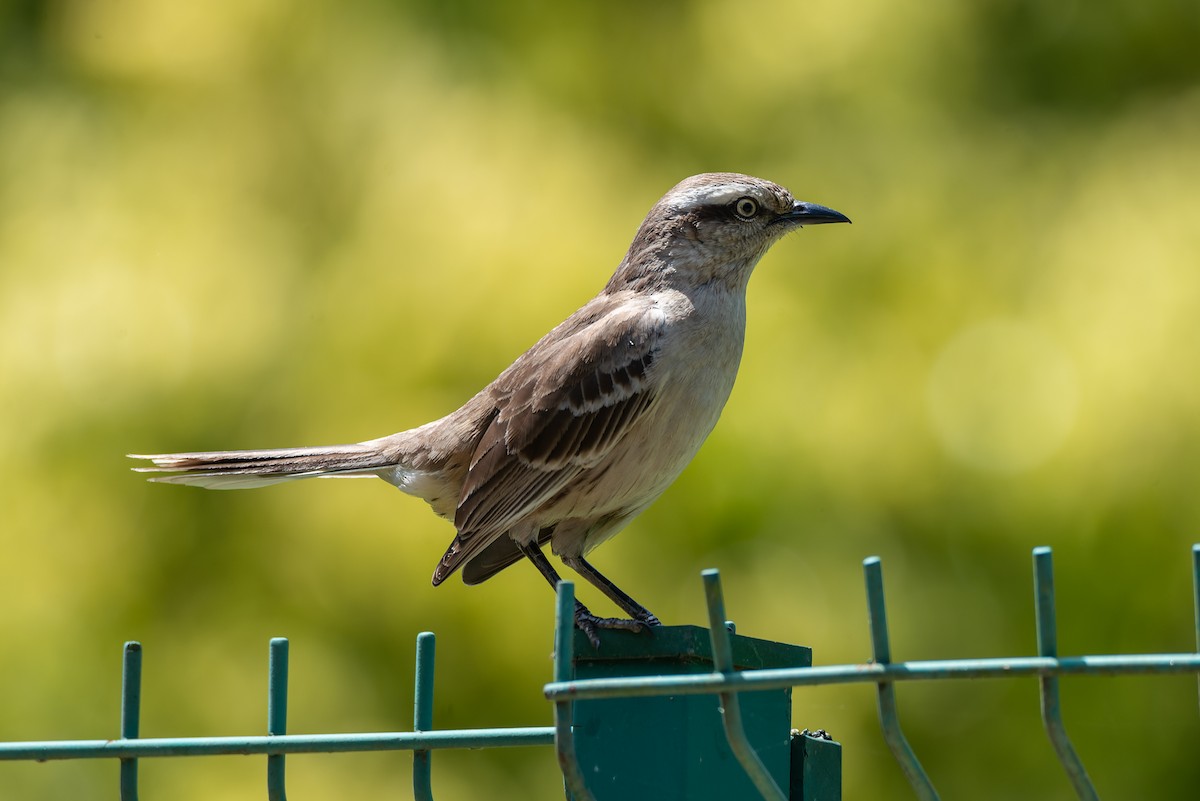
column 588, row 427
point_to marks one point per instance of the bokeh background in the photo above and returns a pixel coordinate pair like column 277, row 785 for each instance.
column 261, row 223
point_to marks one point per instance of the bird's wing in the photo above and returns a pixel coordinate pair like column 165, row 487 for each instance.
column 560, row 409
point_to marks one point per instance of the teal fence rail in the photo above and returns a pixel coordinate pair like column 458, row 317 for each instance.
column 725, row 682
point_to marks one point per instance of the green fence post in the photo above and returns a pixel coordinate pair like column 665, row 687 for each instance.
column 131, row 712
column 673, row 747
column 277, row 693
column 816, row 767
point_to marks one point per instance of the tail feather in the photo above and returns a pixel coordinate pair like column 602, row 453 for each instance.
column 246, row 469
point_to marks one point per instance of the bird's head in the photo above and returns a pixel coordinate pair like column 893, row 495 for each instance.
column 715, row 226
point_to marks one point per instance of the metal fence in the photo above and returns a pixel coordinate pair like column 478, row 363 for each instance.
column 724, row 682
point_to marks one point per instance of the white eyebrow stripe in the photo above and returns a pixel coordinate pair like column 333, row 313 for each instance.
column 716, row 195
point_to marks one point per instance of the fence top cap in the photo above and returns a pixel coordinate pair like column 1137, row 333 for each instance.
column 687, row 645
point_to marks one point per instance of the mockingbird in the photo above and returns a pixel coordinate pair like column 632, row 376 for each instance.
column 589, row 426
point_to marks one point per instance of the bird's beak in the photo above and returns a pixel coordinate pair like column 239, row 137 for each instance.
column 803, row 213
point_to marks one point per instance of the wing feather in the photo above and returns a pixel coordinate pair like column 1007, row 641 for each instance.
column 561, row 408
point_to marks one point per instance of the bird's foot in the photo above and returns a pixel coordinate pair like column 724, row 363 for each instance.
column 590, row 624
column 647, row 618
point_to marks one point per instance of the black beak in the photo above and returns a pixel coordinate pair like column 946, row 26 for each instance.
column 803, row 213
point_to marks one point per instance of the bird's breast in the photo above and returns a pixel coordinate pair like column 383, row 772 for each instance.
column 691, row 377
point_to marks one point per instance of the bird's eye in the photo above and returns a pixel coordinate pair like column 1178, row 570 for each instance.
column 745, row 207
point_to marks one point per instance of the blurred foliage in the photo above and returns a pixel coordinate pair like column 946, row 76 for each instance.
column 240, row 224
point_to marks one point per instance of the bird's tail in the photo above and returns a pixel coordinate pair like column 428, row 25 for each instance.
column 246, row 469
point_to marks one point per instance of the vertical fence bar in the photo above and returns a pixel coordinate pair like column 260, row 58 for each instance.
column 277, row 692
column 1196, row 597
column 731, row 708
column 1051, row 702
column 423, row 715
column 564, row 670
column 131, row 711
column 889, row 715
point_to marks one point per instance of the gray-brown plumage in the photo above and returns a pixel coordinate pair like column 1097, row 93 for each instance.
column 589, row 426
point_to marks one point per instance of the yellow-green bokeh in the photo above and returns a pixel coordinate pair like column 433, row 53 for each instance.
column 256, row 224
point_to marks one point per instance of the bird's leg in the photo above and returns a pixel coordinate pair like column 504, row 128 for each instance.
column 584, row 619
column 615, row 593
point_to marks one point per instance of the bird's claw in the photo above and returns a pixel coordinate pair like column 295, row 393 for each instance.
column 650, row 620
column 590, row 624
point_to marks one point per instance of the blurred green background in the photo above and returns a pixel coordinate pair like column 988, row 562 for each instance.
column 260, row 223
